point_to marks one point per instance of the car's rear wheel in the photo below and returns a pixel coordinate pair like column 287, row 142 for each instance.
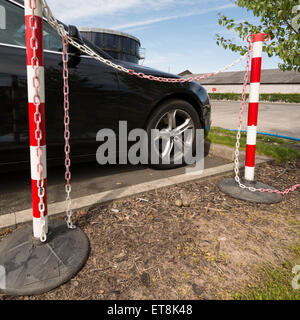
column 173, row 118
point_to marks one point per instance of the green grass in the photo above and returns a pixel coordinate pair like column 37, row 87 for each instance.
column 260, row 137
column 279, row 149
column 275, row 282
column 296, row 249
column 270, row 97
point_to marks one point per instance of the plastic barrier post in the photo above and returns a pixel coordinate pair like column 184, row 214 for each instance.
column 231, row 186
column 256, row 63
column 33, row 100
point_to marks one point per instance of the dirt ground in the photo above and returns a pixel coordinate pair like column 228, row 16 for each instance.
column 189, row 241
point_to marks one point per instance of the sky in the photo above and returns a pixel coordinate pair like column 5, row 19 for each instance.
column 177, row 34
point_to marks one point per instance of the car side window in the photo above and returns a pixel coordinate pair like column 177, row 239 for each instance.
column 52, row 41
column 14, row 28
column 2, row 18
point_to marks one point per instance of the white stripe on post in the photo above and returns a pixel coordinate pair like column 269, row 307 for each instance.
column 34, row 162
column 257, row 49
column 251, row 135
column 249, row 173
column 30, row 88
column 254, row 92
column 37, row 230
column 38, row 11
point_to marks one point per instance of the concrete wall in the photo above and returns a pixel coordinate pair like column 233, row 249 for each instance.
column 264, row 88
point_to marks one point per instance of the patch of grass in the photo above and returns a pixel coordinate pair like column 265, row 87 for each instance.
column 275, row 284
column 279, row 149
column 287, row 97
column 226, row 132
column 260, row 137
column 294, row 222
column 296, row 249
column 271, row 97
column 277, row 152
column 227, row 96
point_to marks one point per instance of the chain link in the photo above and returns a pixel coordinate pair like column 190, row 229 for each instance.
column 65, row 59
column 37, row 117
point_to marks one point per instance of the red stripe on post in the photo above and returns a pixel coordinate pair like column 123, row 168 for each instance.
column 258, row 37
column 39, row 36
column 252, row 113
column 255, row 70
column 250, row 155
column 32, row 124
column 36, row 199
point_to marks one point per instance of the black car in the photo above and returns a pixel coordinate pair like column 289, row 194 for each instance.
column 100, row 96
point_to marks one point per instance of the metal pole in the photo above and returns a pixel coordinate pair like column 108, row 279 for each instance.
column 257, row 40
column 36, row 105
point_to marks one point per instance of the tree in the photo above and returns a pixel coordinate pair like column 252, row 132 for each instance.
column 279, row 18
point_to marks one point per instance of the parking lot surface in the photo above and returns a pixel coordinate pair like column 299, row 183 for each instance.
column 87, row 179
column 275, row 118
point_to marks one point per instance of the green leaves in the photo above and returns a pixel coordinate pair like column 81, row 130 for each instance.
column 275, row 19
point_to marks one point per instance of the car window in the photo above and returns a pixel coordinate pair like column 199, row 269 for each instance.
column 14, row 28
column 52, row 41
column 2, row 18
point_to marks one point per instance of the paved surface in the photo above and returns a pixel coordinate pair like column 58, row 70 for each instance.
column 87, row 179
column 281, row 119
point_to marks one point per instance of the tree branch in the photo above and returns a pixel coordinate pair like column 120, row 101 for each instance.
column 285, row 20
column 290, row 25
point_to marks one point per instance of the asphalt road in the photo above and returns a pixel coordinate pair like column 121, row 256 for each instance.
column 281, row 119
column 87, row 179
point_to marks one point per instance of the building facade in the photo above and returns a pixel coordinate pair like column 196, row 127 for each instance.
column 272, row 81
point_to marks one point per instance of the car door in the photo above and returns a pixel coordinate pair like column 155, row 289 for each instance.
column 93, row 96
column 94, row 101
column 93, row 89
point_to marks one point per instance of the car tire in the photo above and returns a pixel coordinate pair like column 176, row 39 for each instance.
column 180, row 110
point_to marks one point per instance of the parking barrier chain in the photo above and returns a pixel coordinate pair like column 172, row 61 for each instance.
column 65, row 59
column 238, row 135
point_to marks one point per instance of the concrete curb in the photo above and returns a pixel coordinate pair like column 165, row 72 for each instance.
column 15, row 218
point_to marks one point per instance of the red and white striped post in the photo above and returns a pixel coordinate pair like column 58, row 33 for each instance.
column 257, row 40
column 36, row 105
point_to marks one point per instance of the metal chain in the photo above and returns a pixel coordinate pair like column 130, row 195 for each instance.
column 238, row 137
column 242, row 106
column 85, row 49
column 189, row 79
column 65, row 59
column 37, row 117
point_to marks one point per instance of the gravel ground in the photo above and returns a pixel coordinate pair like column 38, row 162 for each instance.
column 189, row 241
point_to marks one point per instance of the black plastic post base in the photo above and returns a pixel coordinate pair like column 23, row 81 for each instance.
column 231, row 187
column 28, row 266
